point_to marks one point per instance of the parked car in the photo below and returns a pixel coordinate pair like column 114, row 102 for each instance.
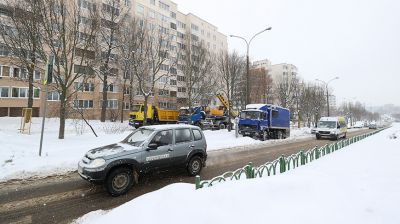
column 359, row 124
column 331, row 127
column 146, row 149
column 313, row 130
column 372, row 126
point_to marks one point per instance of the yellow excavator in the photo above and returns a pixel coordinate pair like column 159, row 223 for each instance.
column 225, row 102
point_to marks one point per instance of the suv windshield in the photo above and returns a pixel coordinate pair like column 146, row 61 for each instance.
column 138, row 136
column 327, row 124
column 249, row 115
column 135, row 108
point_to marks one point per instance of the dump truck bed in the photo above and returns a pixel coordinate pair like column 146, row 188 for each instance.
column 167, row 115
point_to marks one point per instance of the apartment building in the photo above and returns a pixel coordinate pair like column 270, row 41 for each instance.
column 171, row 91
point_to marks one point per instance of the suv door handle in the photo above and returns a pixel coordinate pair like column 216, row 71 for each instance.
column 170, row 150
column 192, row 146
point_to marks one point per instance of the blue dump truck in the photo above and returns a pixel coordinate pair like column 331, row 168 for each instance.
column 200, row 118
column 196, row 115
column 265, row 121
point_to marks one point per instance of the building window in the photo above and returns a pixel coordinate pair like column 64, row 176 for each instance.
column 4, row 91
column 173, row 15
column 127, row 106
column 163, row 92
column 172, row 82
column 181, row 78
column 36, row 93
column 83, row 104
column 194, row 27
column 164, row 6
column 181, row 90
column 127, row 91
column 140, row 9
column 110, row 88
column 164, row 67
column 84, row 87
column 173, row 70
column 36, row 75
column 5, row 71
column 111, row 104
column 173, row 26
column 19, row 92
column 172, row 93
column 181, row 25
column 163, row 79
column 53, row 96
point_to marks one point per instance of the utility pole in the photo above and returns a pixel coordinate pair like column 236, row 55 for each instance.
column 248, row 62
column 49, row 79
column 327, row 91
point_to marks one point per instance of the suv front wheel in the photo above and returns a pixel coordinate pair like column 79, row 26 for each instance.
column 119, row 181
column 195, row 165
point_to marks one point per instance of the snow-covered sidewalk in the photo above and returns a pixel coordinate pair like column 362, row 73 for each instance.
column 357, row 184
column 19, row 152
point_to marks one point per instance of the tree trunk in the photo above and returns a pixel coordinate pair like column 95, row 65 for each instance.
column 30, row 85
column 123, row 100
column 104, row 102
column 63, row 104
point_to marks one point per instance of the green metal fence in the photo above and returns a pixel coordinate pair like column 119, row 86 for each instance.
column 282, row 164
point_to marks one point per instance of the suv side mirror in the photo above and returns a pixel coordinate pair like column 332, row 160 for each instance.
column 152, row 146
column 338, row 126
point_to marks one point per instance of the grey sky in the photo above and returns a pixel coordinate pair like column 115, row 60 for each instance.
column 359, row 41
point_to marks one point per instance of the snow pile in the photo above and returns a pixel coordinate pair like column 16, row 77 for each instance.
column 19, row 154
column 358, row 184
column 222, row 139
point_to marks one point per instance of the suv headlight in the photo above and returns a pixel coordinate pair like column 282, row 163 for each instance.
column 96, row 163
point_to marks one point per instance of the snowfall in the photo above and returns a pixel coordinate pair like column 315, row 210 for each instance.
column 19, row 153
column 357, row 184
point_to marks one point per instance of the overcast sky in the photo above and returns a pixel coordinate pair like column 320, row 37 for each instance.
column 359, row 41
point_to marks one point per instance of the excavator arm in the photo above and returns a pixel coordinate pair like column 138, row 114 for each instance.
column 226, row 105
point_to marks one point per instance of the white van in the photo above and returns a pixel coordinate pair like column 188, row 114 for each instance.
column 331, row 127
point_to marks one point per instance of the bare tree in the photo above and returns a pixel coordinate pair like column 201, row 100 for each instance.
column 153, row 60
column 128, row 41
column 197, row 64
column 285, row 87
column 69, row 35
column 20, row 33
column 112, row 16
column 231, row 68
column 318, row 102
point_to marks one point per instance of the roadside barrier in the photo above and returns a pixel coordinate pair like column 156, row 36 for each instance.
column 282, row 164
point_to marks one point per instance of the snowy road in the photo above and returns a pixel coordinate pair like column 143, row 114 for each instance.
column 60, row 199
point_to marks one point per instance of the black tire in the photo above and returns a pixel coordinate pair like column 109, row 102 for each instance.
column 221, row 126
column 318, row 137
column 264, row 136
column 195, row 165
column 119, row 181
column 345, row 135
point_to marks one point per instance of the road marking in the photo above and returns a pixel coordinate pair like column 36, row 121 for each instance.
column 41, row 201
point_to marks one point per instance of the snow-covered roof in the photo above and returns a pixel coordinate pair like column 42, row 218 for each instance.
column 255, row 106
column 329, row 119
column 167, row 126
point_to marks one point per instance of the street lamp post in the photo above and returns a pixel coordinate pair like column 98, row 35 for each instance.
column 327, row 91
column 248, row 62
